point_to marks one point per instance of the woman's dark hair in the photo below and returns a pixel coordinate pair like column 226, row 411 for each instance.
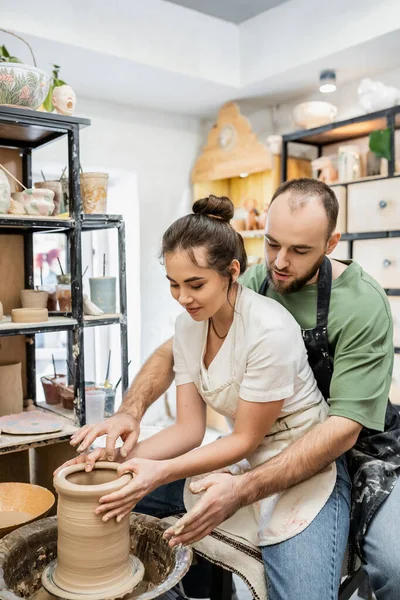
column 208, row 227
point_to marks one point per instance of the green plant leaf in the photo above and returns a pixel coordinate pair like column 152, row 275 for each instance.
column 47, row 104
column 5, row 51
column 379, row 143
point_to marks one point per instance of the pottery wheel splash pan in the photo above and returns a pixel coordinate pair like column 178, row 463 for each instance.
column 136, row 576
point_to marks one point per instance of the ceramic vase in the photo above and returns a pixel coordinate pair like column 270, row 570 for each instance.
column 56, row 187
column 93, row 555
column 103, row 293
column 34, row 298
column 94, row 192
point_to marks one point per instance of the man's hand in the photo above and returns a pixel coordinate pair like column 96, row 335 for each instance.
column 221, row 500
column 122, row 424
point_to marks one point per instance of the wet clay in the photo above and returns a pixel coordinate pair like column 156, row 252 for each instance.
column 143, row 587
column 13, row 517
column 93, row 556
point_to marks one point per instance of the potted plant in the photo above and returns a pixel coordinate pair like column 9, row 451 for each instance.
column 20, row 84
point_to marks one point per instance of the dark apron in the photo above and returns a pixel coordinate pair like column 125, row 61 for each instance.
column 374, row 462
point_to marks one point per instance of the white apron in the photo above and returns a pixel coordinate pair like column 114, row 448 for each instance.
column 284, row 515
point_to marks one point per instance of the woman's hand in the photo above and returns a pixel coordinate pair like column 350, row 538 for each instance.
column 147, row 476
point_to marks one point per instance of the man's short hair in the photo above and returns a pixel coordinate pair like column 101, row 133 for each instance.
column 304, row 189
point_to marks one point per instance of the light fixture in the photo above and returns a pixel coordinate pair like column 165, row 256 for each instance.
column 327, row 81
column 243, row 174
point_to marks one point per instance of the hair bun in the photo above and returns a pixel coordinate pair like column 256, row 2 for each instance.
column 220, row 207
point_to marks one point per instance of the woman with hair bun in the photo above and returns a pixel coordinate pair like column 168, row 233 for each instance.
column 243, row 355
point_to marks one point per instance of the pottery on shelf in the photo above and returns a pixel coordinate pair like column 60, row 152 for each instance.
column 90, row 308
column 103, row 293
column 11, row 394
column 34, row 298
column 22, row 85
column 375, row 95
column 29, row 315
column 94, row 192
column 52, row 388
column 56, row 187
column 314, row 114
column 33, row 202
column 5, row 193
column 93, row 556
column 328, row 173
column 64, row 100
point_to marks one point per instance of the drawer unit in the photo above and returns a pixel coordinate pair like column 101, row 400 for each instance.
column 394, row 302
column 374, row 206
column 394, row 393
column 341, row 252
column 341, row 195
column 380, row 258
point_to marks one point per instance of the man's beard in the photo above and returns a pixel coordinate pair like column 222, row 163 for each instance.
column 297, row 284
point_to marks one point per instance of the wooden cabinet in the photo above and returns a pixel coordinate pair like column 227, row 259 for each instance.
column 341, row 195
column 380, row 258
column 374, row 206
column 341, row 252
column 394, row 393
column 394, row 302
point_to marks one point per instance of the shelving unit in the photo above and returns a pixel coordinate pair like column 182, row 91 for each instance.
column 25, row 131
column 366, row 204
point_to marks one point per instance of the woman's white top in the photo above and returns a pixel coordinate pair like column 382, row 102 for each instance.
column 262, row 359
column 263, row 355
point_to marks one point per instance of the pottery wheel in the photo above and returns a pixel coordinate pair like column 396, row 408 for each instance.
column 30, row 423
column 135, row 577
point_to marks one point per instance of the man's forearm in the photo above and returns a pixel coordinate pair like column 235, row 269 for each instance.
column 301, row 460
column 153, row 380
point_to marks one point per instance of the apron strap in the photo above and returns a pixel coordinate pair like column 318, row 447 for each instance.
column 324, row 292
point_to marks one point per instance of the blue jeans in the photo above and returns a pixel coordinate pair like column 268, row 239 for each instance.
column 308, row 566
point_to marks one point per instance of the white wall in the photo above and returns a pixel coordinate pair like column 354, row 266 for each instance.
column 160, row 149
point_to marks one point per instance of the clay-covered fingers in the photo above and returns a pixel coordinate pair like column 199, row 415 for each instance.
column 131, row 489
column 190, row 537
column 118, row 513
column 106, row 511
column 129, row 443
column 87, row 435
column 74, row 461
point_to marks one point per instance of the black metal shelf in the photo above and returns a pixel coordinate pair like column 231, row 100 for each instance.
column 13, row 223
column 27, row 130
column 349, row 129
column 342, row 131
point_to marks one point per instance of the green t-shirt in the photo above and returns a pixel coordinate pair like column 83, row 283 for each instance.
column 360, row 334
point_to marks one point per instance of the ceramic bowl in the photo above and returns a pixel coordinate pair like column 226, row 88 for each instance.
column 23, row 85
column 314, row 114
column 22, row 503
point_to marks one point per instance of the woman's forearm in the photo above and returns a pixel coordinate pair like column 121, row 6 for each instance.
column 167, row 444
column 217, row 455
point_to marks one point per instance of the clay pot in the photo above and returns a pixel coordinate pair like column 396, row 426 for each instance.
column 51, row 388
column 66, row 394
column 93, row 556
column 94, row 192
column 11, row 394
column 34, row 298
column 56, row 187
column 63, row 293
